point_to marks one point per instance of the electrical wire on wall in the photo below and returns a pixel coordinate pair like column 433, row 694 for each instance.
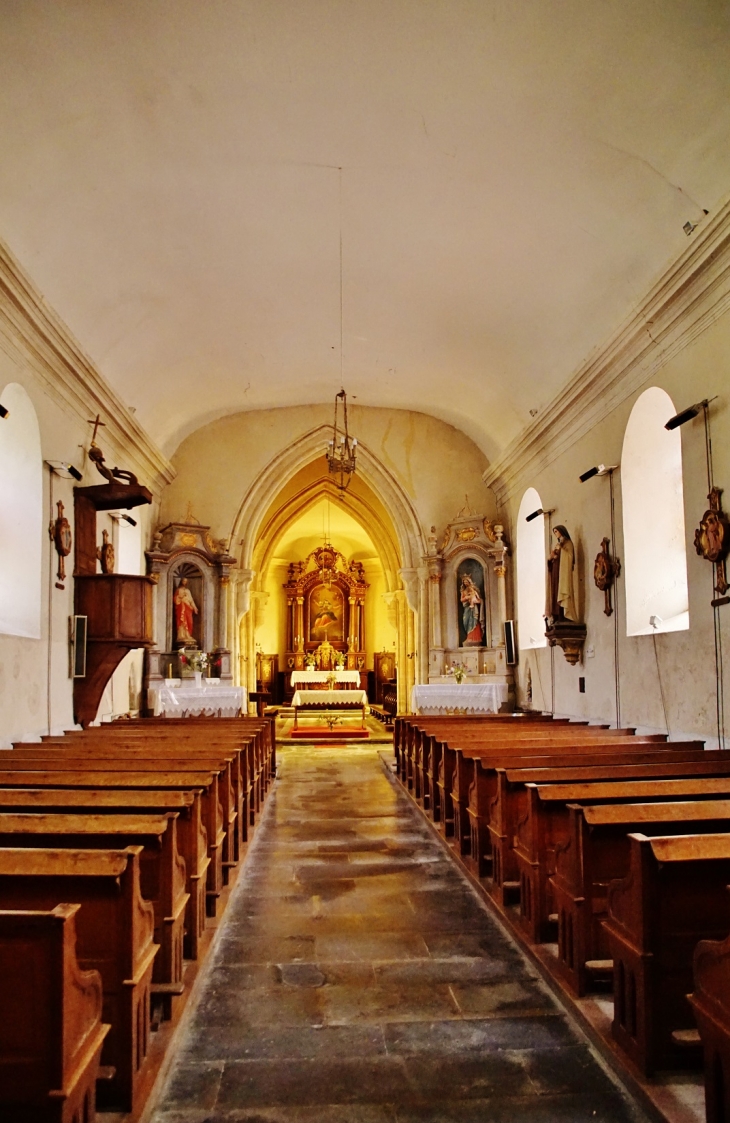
column 552, row 646
column 49, row 663
column 716, row 621
column 616, row 668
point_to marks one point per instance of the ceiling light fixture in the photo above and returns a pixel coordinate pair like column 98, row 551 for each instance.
column 341, row 448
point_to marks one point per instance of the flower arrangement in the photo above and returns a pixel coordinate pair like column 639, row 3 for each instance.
column 331, row 680
column 458, row 672
column 340, row 663
column 309, row 661
column 198, row 660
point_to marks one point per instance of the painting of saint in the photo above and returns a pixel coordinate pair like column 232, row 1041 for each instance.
column 326, row 614
column 471, row 604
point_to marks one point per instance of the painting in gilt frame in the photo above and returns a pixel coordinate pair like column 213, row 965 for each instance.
column 471, row 608
column 326, row 614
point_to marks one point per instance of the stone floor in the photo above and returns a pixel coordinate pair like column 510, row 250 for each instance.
column 358, row 979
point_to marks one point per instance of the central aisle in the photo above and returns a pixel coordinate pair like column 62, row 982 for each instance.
column 358, row 979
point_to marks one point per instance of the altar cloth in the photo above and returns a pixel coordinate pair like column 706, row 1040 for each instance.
column 196, row 701
column 332, row 698
column 321, row 676
column 465, row 697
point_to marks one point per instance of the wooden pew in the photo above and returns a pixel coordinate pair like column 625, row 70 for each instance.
column 710, row 1001
column 114, row 928
column 252, row 771
column 674, row 895
column 162, row 870
column 444, row 746
column 51, row 1032
column 191, row 834
column 543, row 830
column 503, row 790
column 152, row 759
column 595, row 852
column 456, row 767
column 108, row 778
column 417, row 729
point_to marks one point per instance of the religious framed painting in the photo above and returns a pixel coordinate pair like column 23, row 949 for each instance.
column 471, row 608
column 325, row 614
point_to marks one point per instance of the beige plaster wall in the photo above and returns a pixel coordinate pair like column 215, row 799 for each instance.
column 434, row 463
column 36, row 691
column 685, row 660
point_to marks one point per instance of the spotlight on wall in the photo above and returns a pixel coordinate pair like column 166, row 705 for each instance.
column 686, row 414
column 529, row 518
column 3, row 411
column 64, row 469
column 120, row 517
column 600, row 470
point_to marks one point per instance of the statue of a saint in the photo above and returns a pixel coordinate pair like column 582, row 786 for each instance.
column 472, row 611
column 185, row 609
column 560, row 592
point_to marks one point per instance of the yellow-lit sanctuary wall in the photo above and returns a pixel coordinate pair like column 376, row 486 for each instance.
column 326, row 517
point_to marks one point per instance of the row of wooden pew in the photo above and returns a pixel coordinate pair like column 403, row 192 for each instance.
column 610, row 847
column 115, row 846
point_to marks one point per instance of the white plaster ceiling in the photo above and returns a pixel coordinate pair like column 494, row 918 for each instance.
column 514, row 177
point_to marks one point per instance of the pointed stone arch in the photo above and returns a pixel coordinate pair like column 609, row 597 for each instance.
column 403, row 549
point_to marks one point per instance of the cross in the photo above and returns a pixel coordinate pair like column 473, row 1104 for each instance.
column 96, row 423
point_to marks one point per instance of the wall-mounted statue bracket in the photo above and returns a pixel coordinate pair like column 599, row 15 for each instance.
column 569, row 636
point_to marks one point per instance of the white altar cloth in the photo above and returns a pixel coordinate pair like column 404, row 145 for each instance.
column 333, row 698
column 209, row 699
column 465, row 697
column 321, row 676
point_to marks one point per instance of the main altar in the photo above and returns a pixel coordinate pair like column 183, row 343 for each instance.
column 325, row 619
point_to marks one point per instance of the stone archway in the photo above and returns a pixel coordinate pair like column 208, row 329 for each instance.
column 402, row 544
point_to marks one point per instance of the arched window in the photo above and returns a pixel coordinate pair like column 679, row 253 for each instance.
column 530, row 573
column 21, row 515
column 655, row 560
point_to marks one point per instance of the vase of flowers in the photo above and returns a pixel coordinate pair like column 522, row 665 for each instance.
column 458, row 672
column 198, row 660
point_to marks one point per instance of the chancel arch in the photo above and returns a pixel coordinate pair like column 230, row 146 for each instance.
column 655, row 559
column 292, row 484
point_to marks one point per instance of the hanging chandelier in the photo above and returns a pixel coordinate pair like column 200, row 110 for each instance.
column 342, row 448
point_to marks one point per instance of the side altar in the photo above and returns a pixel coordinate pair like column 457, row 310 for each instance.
column 191, row 575
column 467, row 577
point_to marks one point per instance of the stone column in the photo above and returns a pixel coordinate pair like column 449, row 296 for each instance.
column 500, row 570
column 352, row 641
column 299, row 639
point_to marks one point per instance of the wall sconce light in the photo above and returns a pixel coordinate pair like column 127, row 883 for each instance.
column 64, row 469
column 3, row 411
column 686, row 415
column 600, row 470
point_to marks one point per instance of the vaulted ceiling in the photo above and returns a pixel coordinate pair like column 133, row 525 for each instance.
column 514, row 175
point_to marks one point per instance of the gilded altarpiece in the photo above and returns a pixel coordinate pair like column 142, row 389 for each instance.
column 325, row 605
